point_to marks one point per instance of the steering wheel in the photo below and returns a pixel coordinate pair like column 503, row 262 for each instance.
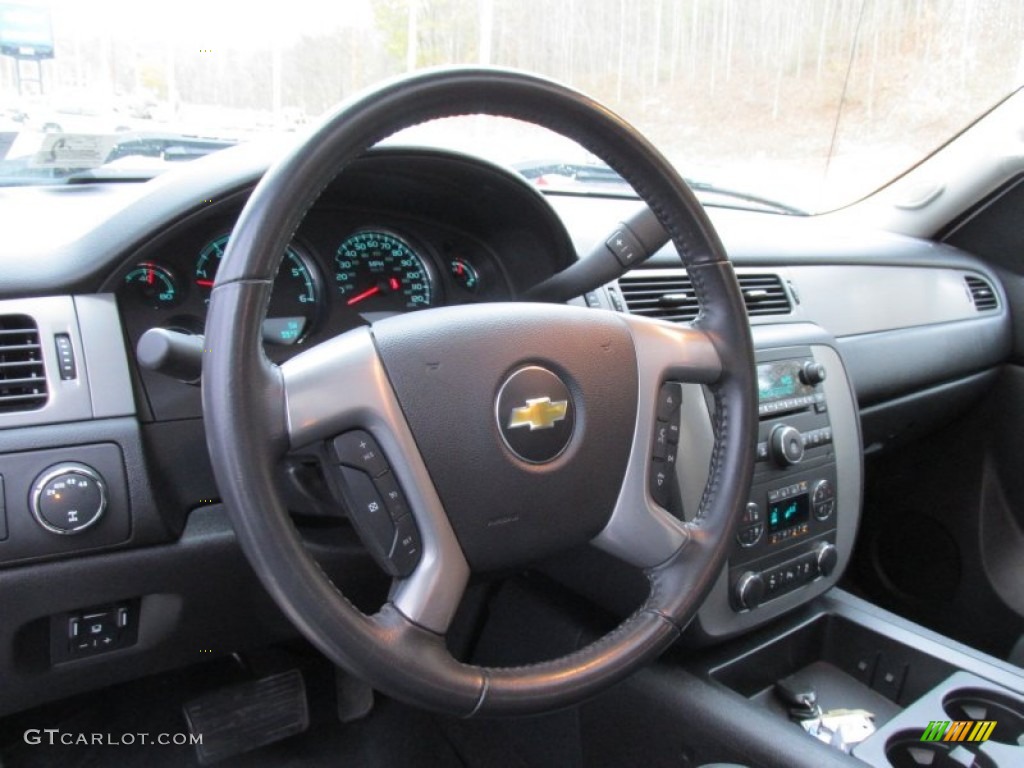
column 513, row 431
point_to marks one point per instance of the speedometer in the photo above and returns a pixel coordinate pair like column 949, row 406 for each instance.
column 379, row 272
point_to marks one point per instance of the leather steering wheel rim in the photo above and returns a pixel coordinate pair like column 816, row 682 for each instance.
column 252, row 408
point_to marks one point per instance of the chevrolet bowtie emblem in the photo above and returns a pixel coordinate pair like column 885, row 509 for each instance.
column 538, row 413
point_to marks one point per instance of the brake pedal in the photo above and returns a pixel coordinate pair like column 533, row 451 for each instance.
column 247, row 716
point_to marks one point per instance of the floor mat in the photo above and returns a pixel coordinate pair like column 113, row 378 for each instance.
column 120, row 726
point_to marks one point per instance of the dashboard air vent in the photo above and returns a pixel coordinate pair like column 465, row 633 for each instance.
column 670, row 296
column 764, row 295
column 982, row 294
column 667, row 296
column 22, row 375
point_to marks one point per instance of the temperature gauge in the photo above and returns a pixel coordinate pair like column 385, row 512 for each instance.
column 465, row 274
column 153, row 285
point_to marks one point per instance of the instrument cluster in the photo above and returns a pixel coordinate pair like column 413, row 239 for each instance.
column 331, row 278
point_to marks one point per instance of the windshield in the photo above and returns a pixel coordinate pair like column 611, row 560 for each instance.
column 787, row 105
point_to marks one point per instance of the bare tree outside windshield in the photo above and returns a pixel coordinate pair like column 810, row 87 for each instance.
column 812, row 102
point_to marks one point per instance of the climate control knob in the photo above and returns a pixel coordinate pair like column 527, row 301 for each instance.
column 813, row 373
column 826, row 556
column 750, row 589
column 786, row 445
column 68, row 498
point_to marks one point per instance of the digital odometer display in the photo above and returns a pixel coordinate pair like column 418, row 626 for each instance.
column 788, row 513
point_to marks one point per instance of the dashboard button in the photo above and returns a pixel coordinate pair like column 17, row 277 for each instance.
column 660, row 477
column 65, row 357
column 813, row 373
column 368, row 513
column 405, row 552
column 625, row 246
column 357, row 449
column 670, row 396
column 823, row 491
column 750, row 590
column 393, row 497
column 660, row 439
column 749, row 535
column 68, row 498
column 674, row 428
column 825, row 509
column 752, row 514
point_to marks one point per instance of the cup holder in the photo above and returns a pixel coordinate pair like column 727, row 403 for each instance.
column 904, row 749
column 982, row 704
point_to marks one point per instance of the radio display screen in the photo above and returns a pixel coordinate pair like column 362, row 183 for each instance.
column 789, row 512
column 780, row 380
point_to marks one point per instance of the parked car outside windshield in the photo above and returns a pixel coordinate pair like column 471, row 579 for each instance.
column 807, row 103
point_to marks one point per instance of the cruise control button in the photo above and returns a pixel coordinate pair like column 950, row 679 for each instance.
column 405, row 553
column 368, row 513
column 357, row 449
column 393, row 497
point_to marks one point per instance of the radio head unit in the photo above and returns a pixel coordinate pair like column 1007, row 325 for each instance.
column 786, row 538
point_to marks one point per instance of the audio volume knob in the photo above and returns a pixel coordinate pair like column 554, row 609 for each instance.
column 826, row 558
column 750, row 589
column 68, row 498
column 786, row 445
column 813, row 373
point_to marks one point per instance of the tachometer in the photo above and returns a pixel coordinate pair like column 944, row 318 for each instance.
column 293, row 301
column 379, row 272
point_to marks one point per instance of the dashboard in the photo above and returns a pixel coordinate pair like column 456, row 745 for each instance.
column 894, row 320
column 342, row 268
column 366, row 250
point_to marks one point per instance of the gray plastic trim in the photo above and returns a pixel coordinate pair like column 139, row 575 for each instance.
column 341, row 384
column 68, row 400
column 852, row 300
column 716, row 617
column 641, row 532
column 105, row 357
column 849, row 300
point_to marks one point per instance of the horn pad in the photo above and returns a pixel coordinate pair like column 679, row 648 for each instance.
column 525, row 426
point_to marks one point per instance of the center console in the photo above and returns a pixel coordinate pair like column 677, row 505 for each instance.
column 787, row 536
column 797, row 530
column 932, row 701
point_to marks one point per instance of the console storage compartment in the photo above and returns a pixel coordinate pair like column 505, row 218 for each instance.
column 935, row 702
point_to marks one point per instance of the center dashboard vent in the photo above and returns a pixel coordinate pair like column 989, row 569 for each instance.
column 670, row 295
column 982, row 293
column 22, row 374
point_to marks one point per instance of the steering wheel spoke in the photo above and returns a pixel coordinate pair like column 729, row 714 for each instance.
column 640, row 531
column 340, row 388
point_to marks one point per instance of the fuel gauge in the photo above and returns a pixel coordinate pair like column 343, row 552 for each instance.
column 464, row 274
column 153, row 285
